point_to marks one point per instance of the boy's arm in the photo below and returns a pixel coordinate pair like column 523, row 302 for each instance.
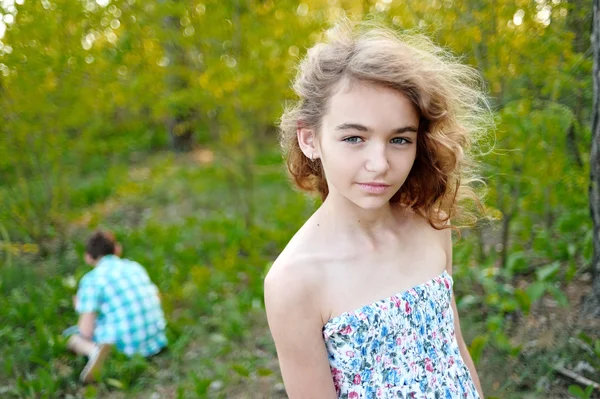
column 87, row 304
column 86, row 324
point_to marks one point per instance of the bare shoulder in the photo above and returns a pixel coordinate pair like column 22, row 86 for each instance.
column 293, row 301
column 291, row 276
column 421, row 224
column 295, row 278
column 428, row 236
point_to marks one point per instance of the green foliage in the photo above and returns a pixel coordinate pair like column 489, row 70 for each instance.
column 578, row 392
column 584, row 348
column 208, row 267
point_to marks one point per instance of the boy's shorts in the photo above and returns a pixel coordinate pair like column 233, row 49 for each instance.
column 70, row 331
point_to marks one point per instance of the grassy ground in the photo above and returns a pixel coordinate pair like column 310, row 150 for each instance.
column 180, row 217
column 185, row 219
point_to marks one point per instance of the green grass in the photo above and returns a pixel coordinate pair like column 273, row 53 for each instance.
column 183, row 223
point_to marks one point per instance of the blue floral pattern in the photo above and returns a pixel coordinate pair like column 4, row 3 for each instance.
column 403, row 346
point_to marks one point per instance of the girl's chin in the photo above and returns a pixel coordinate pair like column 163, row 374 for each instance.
column 362, row 200
column 372, row 203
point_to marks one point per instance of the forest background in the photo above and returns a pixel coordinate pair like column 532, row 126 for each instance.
column 157, row 120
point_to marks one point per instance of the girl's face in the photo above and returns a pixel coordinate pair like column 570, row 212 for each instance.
column 367, row 143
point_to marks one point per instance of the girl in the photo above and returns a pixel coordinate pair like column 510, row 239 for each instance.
column 360, row 301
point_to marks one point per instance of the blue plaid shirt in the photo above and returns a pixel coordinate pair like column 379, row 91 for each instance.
column 129, row 314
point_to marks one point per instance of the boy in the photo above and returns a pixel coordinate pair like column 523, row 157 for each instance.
column 117, row 305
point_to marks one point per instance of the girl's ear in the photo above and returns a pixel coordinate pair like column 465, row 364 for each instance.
column 308, row 142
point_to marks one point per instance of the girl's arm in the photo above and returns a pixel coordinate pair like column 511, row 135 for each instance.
column 296, row 325
column 464, row 351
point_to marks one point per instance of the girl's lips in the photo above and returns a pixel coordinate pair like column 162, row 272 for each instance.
column 374, row 188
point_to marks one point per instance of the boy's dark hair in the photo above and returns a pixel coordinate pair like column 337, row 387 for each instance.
column 101, row 243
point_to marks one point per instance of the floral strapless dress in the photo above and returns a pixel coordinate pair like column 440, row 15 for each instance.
column 403, row 346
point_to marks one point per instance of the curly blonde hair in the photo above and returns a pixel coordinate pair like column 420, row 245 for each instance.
column 449, row 96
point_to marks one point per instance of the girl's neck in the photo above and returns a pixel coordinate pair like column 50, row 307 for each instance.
column 372, row 228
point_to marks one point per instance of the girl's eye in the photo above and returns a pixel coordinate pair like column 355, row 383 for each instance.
column 400, row 140
column 353, row 140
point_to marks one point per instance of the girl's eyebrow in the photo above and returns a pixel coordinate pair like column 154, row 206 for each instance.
column 352, row 126
column 361, row 128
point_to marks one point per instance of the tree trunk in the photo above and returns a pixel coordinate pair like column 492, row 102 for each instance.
column 180, row 134
column 578, row 22
column 572, row 145
column 592, row 305
column 506, row 219
column 177, row 123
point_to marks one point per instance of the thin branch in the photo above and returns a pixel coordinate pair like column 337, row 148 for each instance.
column 576, row 377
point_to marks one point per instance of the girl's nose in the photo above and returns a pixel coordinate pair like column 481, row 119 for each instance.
column 377, row 159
